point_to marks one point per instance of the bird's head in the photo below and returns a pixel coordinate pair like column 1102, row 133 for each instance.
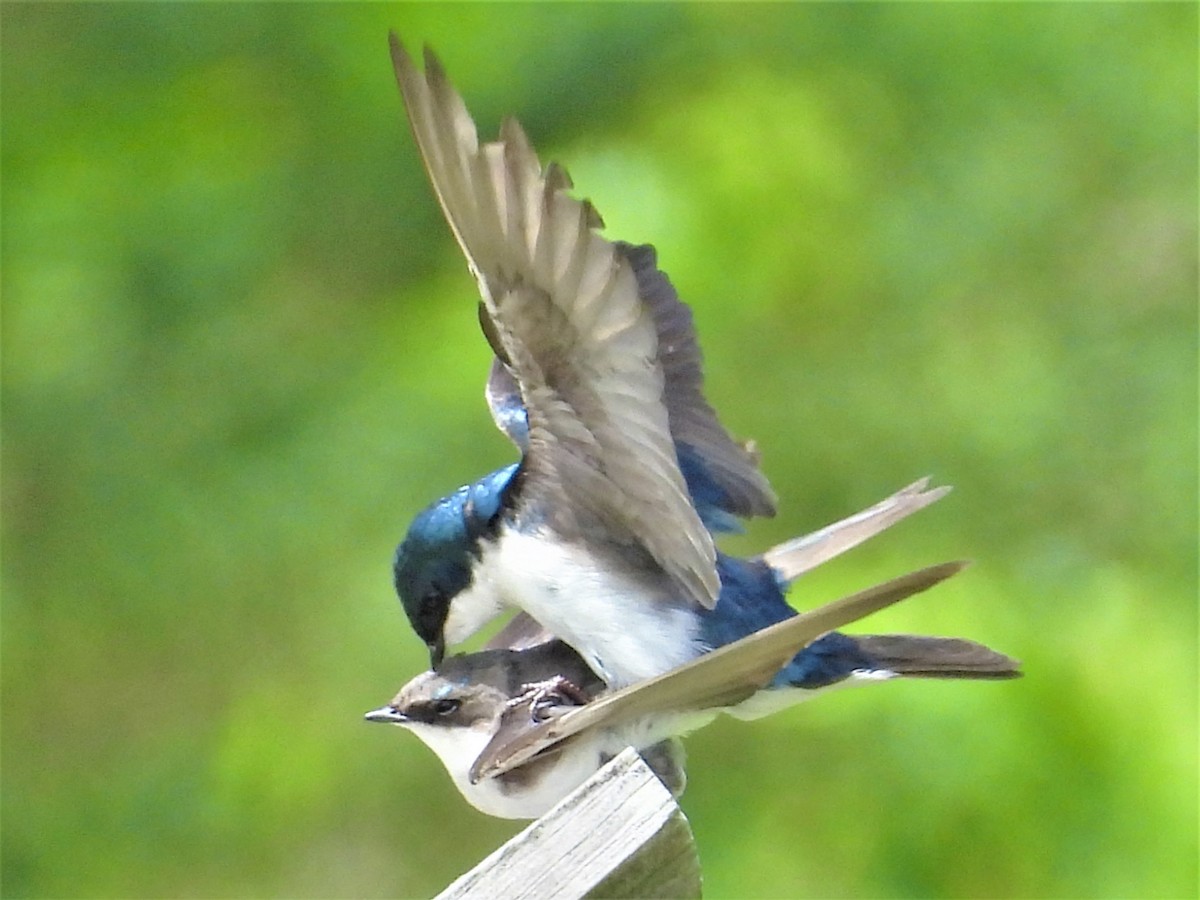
column 432, row 699
column 435, row 561
column 432, row 565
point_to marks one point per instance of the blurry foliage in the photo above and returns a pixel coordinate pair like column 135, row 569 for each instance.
column 240, row 352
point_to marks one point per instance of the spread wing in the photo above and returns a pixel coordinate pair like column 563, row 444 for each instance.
column 722, row 678
column 721, row 474
column 562, row 309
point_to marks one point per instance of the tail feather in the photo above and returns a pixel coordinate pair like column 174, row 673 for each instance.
column 917, row 656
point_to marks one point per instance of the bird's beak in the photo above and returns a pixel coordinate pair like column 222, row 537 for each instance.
column 386, row 714
column 437, row 651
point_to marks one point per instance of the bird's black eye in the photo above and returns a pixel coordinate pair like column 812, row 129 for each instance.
column 446, row 707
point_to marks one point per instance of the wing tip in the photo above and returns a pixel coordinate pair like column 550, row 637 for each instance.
column 402, row 63
column 945, row 570
column 402, row 58
column 434, row 71
column 920, row 488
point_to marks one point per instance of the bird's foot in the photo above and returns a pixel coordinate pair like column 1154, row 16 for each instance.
column 543, row 697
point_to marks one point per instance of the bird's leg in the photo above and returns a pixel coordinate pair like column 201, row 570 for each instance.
column 542, row 696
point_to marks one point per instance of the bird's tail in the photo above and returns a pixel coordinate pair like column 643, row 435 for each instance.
column 837, row 660
column 795, row 557
column 917, row 656
column 859, row 658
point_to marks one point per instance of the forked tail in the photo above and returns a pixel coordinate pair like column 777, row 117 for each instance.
column 917, row 656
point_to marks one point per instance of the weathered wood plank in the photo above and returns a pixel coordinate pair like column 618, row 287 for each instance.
column 620, row 834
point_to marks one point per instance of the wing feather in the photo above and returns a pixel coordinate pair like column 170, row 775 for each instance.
column 719, row 679
column 727, row 467
column 582, row 345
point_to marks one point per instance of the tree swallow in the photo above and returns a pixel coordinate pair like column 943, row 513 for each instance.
column 517, row 730
column 481, row 700
column 602, row 532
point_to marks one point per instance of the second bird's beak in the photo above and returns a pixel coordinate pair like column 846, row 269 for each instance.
column 437, row 651
column 386, row 714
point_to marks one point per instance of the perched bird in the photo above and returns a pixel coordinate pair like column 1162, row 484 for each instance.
column 517, row 730
column 603, row 531
column 459, row 709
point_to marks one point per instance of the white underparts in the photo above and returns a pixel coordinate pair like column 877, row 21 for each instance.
column 624, row 630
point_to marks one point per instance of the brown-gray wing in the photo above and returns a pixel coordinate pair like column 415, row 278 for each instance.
column 563, row 304
column 728, row 466
column 722, row 678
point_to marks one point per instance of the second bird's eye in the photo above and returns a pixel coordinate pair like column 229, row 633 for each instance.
column 445, row 707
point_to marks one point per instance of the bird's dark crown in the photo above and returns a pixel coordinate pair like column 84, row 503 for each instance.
column 433, row 562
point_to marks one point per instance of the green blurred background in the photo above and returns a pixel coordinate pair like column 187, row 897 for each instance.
column 240, row 352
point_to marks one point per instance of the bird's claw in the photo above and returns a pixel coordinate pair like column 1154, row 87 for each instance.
column 543, row 696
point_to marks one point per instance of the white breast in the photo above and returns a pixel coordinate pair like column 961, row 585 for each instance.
column 624, row 630
column 517, row 798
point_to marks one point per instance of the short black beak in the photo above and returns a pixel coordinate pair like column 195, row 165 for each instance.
column 386, row 714
column 437, row 651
